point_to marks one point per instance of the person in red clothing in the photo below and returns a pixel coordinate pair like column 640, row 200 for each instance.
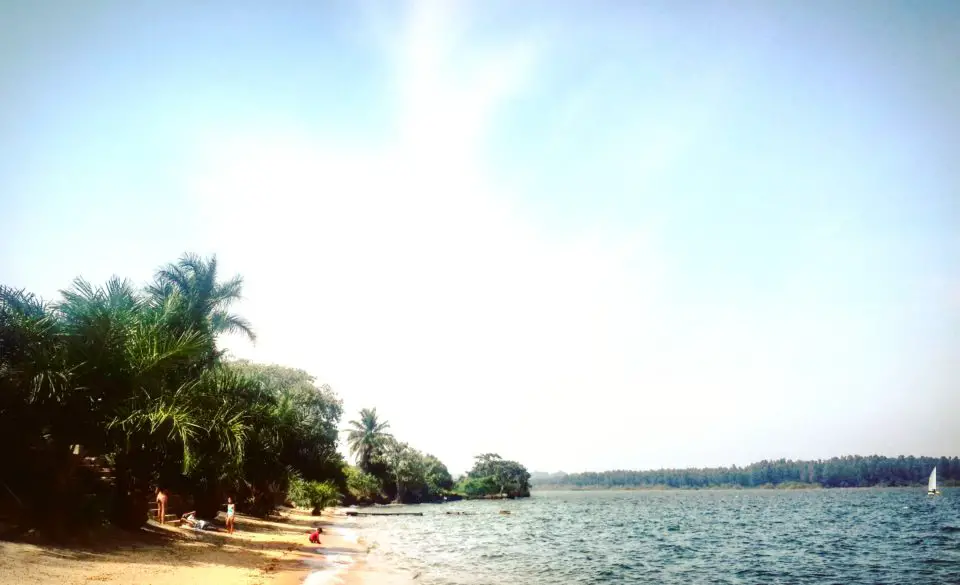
column 315, row 536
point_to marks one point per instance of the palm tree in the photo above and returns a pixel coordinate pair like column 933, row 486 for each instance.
column 366, row 437
column 34, row 378
column 191, row 284
column 31, row 366
column 102, row 370
column 133, row 378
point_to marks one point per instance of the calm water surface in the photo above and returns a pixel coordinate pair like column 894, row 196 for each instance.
column 673, row 537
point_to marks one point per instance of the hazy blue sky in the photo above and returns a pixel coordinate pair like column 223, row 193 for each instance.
column 584, row 235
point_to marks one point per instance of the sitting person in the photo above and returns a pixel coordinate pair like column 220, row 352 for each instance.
column 315, row 536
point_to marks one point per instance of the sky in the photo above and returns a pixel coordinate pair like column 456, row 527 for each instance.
column 582, row 235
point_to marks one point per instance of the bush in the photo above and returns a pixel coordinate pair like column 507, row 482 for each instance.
column 478, row 486
column 314, row 494
column 364, row 487
column 493, row 476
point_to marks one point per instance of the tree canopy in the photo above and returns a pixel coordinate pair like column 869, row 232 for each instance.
column 111, row 391
column 367, row 437
column 494, row 476
column 392, row 470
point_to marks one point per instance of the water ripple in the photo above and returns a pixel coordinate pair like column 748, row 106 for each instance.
column 715, row 537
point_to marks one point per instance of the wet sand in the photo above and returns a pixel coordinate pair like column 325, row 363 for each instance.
column 260, row 552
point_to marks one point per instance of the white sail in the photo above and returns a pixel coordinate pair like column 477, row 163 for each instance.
column 932, row 484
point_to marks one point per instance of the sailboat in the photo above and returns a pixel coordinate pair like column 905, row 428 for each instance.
column 932, row 484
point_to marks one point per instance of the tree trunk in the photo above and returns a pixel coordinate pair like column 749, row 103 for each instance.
column 130, row 505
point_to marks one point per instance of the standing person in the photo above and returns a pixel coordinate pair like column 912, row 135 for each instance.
column 161, row 505
column 230, row 513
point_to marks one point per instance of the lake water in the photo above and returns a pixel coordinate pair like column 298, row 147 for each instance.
column 892, row 536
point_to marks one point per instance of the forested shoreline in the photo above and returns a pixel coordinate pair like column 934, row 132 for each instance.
column 112, row 392
column 389, row 470
column 837, row 472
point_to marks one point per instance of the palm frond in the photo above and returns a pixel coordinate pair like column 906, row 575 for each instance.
column 223, row 322
column 229, row 291
column 152, row 348
column 174, row 276
column 21, row 302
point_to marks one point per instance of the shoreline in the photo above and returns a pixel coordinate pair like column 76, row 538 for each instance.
column 260, row 552
column 337, row 559
column 340, row 559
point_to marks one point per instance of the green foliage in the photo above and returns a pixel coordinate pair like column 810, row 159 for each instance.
column 192, row 285
column 493, row 476
column 304, row 437
column 437, row 476
column 405, row 466
column 389, row 469
column 314, row 494
column 132, row 379
column 849, row 471
column 364, row 487
column 478, row 486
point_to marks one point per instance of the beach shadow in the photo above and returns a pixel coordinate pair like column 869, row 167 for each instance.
column 250, row 547
column 154, row 545
column 103, row 540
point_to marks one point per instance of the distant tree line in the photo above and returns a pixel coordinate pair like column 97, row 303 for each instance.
column 847, row 471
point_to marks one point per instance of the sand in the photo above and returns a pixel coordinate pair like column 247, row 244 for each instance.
column 259, row 552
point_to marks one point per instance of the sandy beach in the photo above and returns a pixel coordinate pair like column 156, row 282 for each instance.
column 259, row 552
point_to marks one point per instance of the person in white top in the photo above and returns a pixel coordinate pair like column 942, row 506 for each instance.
column 231, row 511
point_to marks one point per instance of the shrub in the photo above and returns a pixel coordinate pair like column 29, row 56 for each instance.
column 314, row 494
column 364, row 487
